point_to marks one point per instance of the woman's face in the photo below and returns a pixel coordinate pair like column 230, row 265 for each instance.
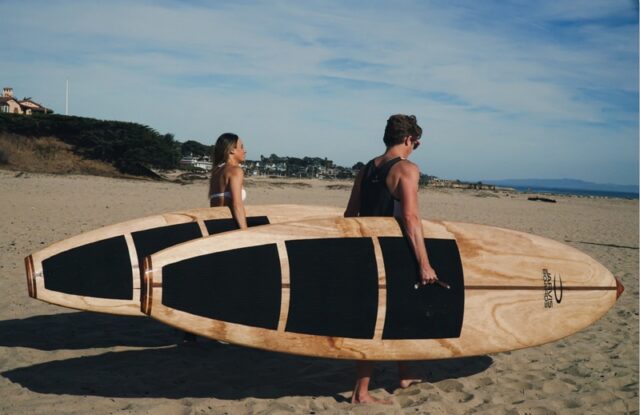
column 239, row 152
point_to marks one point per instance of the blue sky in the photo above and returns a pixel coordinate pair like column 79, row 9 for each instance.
column 503, row 89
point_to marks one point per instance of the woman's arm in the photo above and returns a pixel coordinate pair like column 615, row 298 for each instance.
column 236, row 179
column 215, row 177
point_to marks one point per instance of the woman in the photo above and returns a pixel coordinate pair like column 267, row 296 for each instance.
column 225, row 186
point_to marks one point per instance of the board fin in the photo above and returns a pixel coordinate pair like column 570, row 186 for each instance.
column 619, row 288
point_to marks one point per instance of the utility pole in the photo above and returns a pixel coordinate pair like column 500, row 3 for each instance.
column 66, row 101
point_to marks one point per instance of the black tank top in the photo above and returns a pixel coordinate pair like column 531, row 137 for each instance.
column 375, row 197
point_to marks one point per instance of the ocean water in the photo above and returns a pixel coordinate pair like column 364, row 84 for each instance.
column 575, row 192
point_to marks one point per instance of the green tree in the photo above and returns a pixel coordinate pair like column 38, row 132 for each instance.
column 358, row 166
column 126, row 145
column 196, row 148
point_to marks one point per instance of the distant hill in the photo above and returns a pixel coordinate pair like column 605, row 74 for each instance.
column 571, row 184
column 130, row 148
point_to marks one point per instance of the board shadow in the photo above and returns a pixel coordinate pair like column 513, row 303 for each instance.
column 84, row 330
column 211, row 369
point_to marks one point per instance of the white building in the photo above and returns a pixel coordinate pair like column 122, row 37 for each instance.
column 192, row 161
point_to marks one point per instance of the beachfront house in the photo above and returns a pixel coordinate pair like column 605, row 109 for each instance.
column 251, row 167
column 9, row 104
column 196, row 162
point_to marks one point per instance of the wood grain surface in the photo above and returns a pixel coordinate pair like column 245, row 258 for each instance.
column 505, row 306
column 36, row 277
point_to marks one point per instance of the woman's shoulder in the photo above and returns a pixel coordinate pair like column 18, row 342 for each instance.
column 234, row 171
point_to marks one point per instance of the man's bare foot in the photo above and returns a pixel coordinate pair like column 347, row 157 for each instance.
column 366, row 398
column 405, row 383
column 406, row 375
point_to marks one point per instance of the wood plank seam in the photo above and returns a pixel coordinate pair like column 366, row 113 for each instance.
column 382, row 291
column 203, row 228
column 136, row 272
column 286, row 285
column 146, row 293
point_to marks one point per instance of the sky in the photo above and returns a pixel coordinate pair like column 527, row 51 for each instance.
column 502, row 89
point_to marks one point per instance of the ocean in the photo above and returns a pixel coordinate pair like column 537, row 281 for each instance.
column 575, row 192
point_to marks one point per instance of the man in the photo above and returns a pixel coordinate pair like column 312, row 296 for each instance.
column 388, row 186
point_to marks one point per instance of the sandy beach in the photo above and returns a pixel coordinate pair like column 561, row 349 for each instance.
column 60, row 361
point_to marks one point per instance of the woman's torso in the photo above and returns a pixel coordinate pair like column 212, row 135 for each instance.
column 220, row 193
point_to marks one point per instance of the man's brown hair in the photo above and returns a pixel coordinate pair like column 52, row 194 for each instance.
column 398, row 127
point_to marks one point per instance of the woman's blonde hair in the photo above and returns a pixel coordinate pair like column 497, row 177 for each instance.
column 225, row 143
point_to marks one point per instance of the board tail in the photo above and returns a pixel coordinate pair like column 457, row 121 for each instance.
column 146, row 286
column 31, row 280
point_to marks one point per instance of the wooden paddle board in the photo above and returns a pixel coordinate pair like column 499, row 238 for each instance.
column 346, row 288
column 99, row 270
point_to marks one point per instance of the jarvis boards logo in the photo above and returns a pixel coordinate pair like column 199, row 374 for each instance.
column 551, row 284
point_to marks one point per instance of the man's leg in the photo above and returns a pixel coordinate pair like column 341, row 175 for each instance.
column 364, row 370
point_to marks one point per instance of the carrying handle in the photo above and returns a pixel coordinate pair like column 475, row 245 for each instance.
column 440, row 283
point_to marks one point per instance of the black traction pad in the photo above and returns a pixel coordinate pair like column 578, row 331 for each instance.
column 153, row 240
column 100, row 269
column 240, row 286
column 429, row 312
column 223, row 225
column 334, row 287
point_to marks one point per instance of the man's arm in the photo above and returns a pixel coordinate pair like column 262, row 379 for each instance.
column 353, row 207
column 407, row 191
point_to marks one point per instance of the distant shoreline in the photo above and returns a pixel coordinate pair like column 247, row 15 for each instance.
column 187, row 177
column 575, row 192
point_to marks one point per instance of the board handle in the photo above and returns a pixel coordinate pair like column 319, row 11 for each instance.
column 440, row 283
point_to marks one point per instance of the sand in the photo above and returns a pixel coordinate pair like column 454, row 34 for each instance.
column 59, row 361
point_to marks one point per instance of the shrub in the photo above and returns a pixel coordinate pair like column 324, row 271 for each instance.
column 125, row 145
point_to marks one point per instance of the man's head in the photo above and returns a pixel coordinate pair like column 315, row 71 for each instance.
column 399, row 127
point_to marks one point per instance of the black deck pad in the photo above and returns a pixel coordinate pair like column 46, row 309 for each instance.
column 430, row 312
column 223, row 225
column 334, row 287
column 150, row 241
column 100, row 269
column 240, row 286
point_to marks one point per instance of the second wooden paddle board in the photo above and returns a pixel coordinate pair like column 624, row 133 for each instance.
column 99, row 270
column 345, row 288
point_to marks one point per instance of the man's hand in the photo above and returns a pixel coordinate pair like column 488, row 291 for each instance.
column 427, row 275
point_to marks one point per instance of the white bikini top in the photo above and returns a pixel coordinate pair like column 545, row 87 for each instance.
column 227, row 195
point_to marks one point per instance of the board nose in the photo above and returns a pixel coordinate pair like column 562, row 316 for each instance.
column 31, row 282
column 619, row 288
column 146, row 286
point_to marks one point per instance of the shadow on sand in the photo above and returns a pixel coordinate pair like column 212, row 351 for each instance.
column 215, row 370
column 83, row 330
